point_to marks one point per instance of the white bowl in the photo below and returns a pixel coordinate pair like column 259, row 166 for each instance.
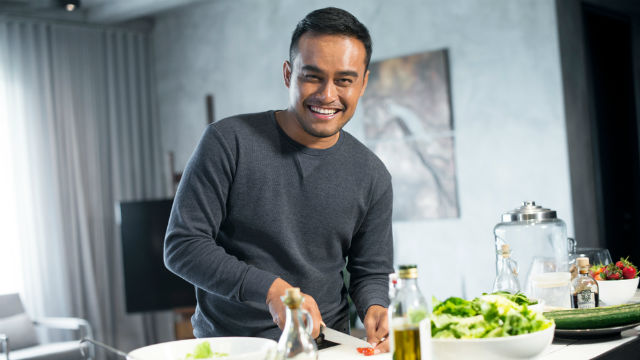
column 615, row 292
column 525, row 346
column 238, row 348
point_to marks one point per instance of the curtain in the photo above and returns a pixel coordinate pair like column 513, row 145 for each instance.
column 79, row 108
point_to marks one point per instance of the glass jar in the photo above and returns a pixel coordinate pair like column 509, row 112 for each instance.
column 538, row 242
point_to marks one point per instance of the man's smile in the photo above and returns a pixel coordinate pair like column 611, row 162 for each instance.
column 323, row 111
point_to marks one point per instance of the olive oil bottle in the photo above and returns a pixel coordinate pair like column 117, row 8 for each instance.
column 409, row 318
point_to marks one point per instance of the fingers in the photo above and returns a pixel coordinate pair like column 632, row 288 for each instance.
column 377, row 327
column 309, row 304
column 277, row 309
column 278, row 312
column 382, row 346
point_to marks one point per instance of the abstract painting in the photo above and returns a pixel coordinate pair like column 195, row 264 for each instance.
column 407, row 119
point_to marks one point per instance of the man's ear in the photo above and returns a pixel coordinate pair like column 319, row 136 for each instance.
column 366, row 81
column 286, row 72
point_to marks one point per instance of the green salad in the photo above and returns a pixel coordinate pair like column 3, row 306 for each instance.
column 490, row 315
column 203, row 351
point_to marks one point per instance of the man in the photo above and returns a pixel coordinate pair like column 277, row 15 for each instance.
column 287, row 198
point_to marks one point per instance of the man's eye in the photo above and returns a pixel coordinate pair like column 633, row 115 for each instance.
column 311, row 77
column 345, row 82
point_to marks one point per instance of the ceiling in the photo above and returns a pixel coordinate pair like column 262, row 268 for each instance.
column 115, row 11
column 92, row 11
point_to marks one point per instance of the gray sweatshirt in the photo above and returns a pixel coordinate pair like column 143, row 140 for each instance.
column 254, row 205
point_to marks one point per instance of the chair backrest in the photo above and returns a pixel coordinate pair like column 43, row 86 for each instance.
column 15, row 323
column 10, row 304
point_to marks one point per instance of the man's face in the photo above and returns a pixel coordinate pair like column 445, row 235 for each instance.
column 325, row 81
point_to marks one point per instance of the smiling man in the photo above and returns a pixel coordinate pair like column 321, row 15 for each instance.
column 287, row 198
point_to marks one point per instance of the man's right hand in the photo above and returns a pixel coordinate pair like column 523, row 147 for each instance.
column 278, row 309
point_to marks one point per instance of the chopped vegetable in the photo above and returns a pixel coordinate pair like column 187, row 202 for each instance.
column 203, row 351
column 366, row 351
column 490, row 315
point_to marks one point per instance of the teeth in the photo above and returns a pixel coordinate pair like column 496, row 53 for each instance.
column 323, row 111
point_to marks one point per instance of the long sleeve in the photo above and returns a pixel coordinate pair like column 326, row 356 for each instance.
column 254, row 205
column 370, row 258
column 190, row 248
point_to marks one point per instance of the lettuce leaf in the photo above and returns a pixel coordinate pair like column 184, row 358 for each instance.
column 490, row 315
column 203, row 351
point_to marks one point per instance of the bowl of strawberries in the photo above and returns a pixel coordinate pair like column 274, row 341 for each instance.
column 617, row 282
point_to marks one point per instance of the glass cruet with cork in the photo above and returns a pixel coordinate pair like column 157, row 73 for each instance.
column 295, row 341
column 584, row 288
column 507, row 278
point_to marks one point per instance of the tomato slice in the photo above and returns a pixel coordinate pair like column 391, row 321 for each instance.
column 366, row 351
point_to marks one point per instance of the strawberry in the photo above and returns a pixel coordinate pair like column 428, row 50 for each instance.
column 595, row 271
column 613, row 276
column 629, row 272
column 611, row 272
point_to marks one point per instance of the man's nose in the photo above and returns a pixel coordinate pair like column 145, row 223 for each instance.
column 328, row 92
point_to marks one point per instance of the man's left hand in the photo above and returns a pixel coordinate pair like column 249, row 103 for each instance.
column 376, row 324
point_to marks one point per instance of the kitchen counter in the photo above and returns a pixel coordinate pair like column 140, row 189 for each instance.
column 560, row 349
column 626, row 345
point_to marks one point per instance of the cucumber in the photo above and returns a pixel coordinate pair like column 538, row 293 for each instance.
column 595, row 318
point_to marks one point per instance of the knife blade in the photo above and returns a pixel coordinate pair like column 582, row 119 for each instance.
column 341, row 338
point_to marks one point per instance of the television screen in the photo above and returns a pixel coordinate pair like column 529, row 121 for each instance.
column 149, row 285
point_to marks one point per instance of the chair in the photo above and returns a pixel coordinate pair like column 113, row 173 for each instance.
column 19, row 341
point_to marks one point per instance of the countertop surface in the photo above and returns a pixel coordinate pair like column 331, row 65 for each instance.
column 560, row 349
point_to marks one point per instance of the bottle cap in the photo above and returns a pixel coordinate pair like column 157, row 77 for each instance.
column 408, row 272
column 582, row 261
column 505, row 250
column 292, row 298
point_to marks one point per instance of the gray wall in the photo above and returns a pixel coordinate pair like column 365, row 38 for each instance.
column 510, row 138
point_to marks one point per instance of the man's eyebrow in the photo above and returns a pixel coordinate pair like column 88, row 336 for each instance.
column 348, row 73
column 313, row 68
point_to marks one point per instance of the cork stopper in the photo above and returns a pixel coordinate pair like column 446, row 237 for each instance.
column 408, row 272
column 582, row 262
column 292, row 298
column 506, row 251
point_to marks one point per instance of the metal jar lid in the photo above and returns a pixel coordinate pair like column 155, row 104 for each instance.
column 529, row 211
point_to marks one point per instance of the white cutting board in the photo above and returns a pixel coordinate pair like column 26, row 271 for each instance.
column 348, row 352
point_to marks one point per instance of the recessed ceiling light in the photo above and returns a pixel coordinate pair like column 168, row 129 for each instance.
column 71, row 5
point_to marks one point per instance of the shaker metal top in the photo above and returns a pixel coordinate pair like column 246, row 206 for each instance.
column 529, row 211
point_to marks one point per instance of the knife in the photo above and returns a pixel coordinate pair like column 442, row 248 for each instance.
column 338, row 337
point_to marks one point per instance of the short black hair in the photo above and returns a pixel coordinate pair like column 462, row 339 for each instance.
column 331, row 21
